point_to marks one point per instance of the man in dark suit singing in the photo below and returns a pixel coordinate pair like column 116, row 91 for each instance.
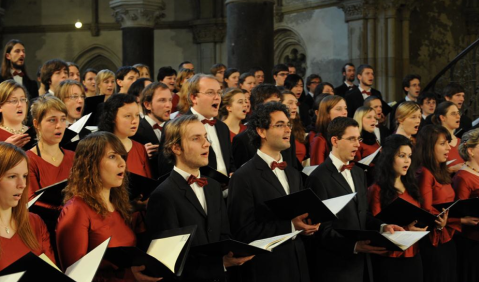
column 266, row 176
column 185, row 198
column 339, row 259
column 156, row 103
column 356, row 96
column 349, row 75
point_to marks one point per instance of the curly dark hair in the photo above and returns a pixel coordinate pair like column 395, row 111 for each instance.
column 110, row 109
column 386, row 176
column 261, row 118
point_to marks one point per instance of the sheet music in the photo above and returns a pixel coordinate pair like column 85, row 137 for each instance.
column 307, row 170
column 367, row 160
column 272, row 242
column 450, row 162
column 475, row 122
column 167, row 250
column 337, row 204
column 405, row 239
column 48, row 260
column 79, row 124
column 85, row 268
column 14, row 277
column 32, row 201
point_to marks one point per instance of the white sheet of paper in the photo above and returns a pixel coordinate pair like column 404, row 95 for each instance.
column 367, row 160
column 475, row 122
column 32, row 201
column 85, row 268
column 405, row 239
column 14, row 277
column 272, row 242
column 337, row 204
column 49, row 261
column 167, row 250
column 92, row 128
column 450, row 162
column 79, row 124
column 307, row 170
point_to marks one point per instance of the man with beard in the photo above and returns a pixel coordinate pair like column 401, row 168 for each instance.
column 13, row 67
column 156, row 104
column 349, row 74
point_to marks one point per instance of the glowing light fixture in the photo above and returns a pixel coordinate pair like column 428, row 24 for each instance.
column 78, row 24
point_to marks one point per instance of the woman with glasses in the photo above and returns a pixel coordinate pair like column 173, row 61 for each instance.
column 72, row 94
column 408, row 118
column 13, row 111
column 448, row 115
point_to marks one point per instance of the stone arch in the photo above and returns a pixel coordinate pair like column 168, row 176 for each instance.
column 289, row 48
column 98, row 57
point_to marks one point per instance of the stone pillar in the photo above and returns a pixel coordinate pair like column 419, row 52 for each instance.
column 250, row 35
column 406, row 12
column 208, row 34
column 391, row 55
column 137, row 19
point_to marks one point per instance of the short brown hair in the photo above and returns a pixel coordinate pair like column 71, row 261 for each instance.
column 194, row 85
column 6, row 89
column 227, row 101
column 174, row 131
column 48, row 68
column 149, row 92
column 63, row 90
column 43, row 104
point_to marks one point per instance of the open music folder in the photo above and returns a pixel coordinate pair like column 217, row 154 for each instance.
column 14, row 277
column 83, row 270
column 53, row 194
column 402, row 213
column 306, row 201
column 460, row 208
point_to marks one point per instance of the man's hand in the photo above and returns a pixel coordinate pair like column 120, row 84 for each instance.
column 364, row 247
column 151, row 149
column 302, row 223
column 229, row 260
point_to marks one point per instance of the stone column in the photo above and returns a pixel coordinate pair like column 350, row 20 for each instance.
column 391, row 90
column 208, row 34
column 137, row 19
column 250, row 35
column 357, row 31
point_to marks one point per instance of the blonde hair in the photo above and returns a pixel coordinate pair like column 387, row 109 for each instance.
column 406, row 109
column 360, row 113
column 6, row 89
column 63, row 90
column 182, row 74
column 140, row 67
column 470, row 139
column 174, row 130
column 43, row 104
column 183, row 103
column 102, row 75
column 227, row 101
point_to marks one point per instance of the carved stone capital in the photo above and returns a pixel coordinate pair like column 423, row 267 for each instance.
column 209, row 30
column 137, row 13
column 353, row 11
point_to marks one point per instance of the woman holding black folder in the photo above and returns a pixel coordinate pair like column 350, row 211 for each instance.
column 72, row 93
column 97, row 206
column 439, row 253
column 466, row 184
column 20, row 231
column 13, row 113
column 395, row 178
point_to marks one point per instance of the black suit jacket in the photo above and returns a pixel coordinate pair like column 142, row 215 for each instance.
column 392, row 116
column 173, row 204
column 244, row 150
column 30, row 85
column 145, row 134
column 250, row 219
column 335, row 254
column 354, row 100
column 342, row 90
column 223, row 133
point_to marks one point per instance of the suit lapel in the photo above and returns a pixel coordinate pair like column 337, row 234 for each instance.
column 268, row 175
column 338, row 177
column 189, row 194
column 293, row 179
column 149, row 132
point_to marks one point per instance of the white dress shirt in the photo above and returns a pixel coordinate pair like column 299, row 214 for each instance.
column 18, row 79
column 215, row 143
column 278, row 172
column 365, row 96
column 345, row 173
column 199, row 192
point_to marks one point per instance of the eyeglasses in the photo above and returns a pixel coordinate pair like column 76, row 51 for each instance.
column 212, row 93
column 76, row 97
column 283, row 74
column 16, row 101
column 455, row 114
column 353, row 139
column 282, row 125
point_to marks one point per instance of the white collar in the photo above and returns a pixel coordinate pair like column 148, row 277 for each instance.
column 267, row 158
column 200, row 116
column 337, row 162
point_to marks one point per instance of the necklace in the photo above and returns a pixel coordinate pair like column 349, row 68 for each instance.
column 6, row 228
column 475, row 170
column 13, row 131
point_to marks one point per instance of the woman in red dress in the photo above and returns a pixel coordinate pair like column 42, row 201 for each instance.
column 330, row 108
column 20, row 231
column 439, row 253
column 233, row 111
column 97, row 207
column 121, row 117
column 466, row 185
column 448, row 115
column 73, row 95
column 394, row 179
column 408, row 118
column 13, row 111
column 290, row 100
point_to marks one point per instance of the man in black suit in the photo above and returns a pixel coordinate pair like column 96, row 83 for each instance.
column 185, row 199
column 263, row 178
column 454, row 92
column 340, row 259
column 411, row 85
column 349, row 74
column 312, row 82
column 242, row 148
column 156, row 103
column 355, row 98
column 204, row 96
column 13, row 67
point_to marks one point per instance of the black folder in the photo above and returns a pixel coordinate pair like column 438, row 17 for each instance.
column 125, row 257
column 239, row 249
column 216, row 175
column 33, row 136
column 298, row 203
column 461, row 208
column 35, row 268
column 91, row 103
column 53, row 193
column 402, row 213
column 375, row 237
column 140, row 185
